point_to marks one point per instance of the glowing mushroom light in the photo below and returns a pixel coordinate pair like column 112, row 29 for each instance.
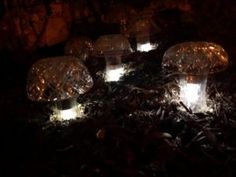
column 112, row 47
column 59, row 80
column 194, row 61
column 142, row 35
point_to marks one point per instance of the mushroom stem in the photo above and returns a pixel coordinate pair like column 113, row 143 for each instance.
column 113, row 60
column 66, row 110
column 193, row 92
column 143, row 41
column 143, row 37
column 114, row 68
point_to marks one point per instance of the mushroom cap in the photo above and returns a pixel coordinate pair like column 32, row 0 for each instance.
column 80, row 47
column 195, row 58
column 112, row 44
column 57, row 78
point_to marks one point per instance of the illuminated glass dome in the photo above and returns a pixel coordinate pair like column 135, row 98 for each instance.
column 57, row 78
column 193, row 61
column 112, row 47
column 195, row 58
column 112, row 44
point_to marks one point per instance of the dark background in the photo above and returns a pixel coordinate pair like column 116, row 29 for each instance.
column 33, row 147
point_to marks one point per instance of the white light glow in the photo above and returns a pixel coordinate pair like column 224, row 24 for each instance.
column 68, row 114
column 76, row 111
column 146, row 47
column 190, row 94
column 193, row 92
column 114, row 74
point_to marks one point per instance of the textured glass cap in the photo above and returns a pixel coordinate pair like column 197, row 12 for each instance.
column 57, row 78
column 80, row 47
column 195, row 58
column 113, row 44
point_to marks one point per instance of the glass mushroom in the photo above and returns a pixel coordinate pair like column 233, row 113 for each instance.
column 143, row 30
column 80, row 47
column 142, row 35
column 112, row 47
column 194, row 61
column 59, row 80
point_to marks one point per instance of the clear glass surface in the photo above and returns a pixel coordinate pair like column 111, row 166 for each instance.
column 57, row 78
